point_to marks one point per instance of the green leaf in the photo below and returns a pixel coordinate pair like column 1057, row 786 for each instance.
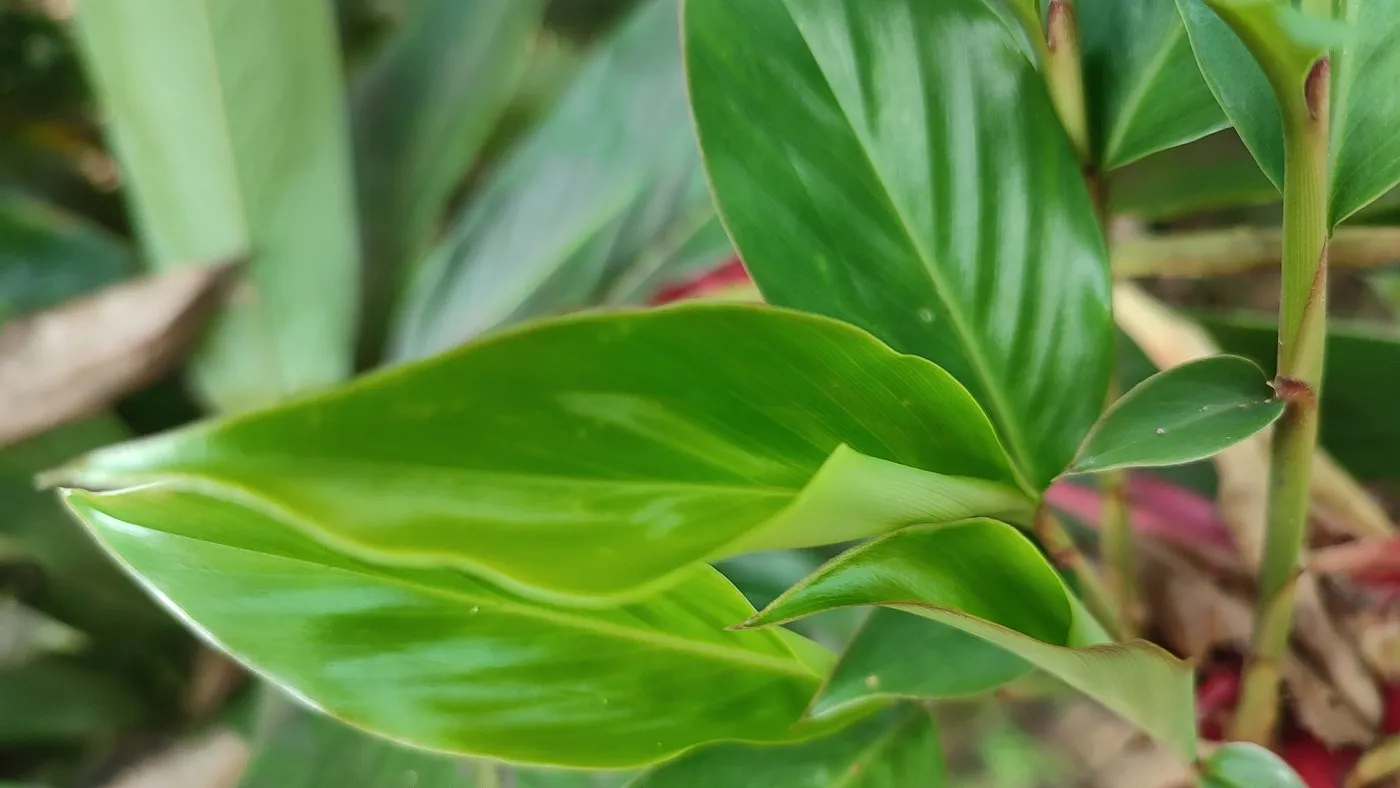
column 1365, row 107
column 1266, row 55
column 435, row 658
column 896, row 164
column 763, row 577
column 1358, row 427
column 1243, row 765
column 1145, row 90
column 1210, row 174
column 228, row 117
column 987, row 579
column 48, row 256
column 422, row 110
column 593, row 455
column 601, row 196
column 900, row 655
column 897, row 749
column 54, row 700
column 1181, row 415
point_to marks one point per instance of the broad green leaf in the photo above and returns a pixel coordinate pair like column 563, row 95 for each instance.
column 1213, row 173
column 228, row 117
column 422, row 110
column 1365, row 107
column 987, row 579
column 1359, row 427
column 592, row 455
column 897, row 749
column 1242, row 765
column 1146, row 92
column 896, row 164
column 1181, row 415
column 900, row 655
column 1265, row 51
column 48, row 256
column 604, row 192
column 435, row 658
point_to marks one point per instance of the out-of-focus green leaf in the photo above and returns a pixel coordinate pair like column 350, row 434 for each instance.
column 438, row 659
column 987, row 579
column 52, row 701
column 1210, row 174
column 1359, row 428
column 896, row 749
column 1181, row 415
column 897, row 164
column 48, row 256
column 901, row 655
column 1145, row 89
column 422, row 111
column 228, row 117
column 1365, row 106
column 606, row 195
column 1241, row 765
column 593, row 455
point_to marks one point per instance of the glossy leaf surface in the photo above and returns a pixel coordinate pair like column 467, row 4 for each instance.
column 1212, row 173
column 902, row 655
column 435, row 658
column 607, row 191
column 595, row 454
column 421, row 112
column 1181, row 415
column 988, row 580
column 228, row 117
column 48, row 256
column 896, row 164
column 896, row 749
column 1365, row 106
column 1145, row 89
column 1242, row 765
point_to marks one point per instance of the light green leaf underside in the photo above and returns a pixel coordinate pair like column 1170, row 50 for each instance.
column 228, row 117
column 1241, row 765
column 1365, row 107
column 897, row 749
column 1145, row 89
column 897, row 164
column 1181, row 415
column 596, row 455
column 442, row 661
column 987, row 579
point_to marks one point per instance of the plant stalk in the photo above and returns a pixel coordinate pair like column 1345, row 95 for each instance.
column 1065, row 554
column 1302, row 338
column 1239, row 250
column 1064, row 74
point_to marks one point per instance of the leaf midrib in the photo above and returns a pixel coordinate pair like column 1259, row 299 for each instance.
column 1009, row 428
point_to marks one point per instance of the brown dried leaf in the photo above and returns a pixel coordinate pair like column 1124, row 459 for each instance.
column 70, row 361
column 215, row 760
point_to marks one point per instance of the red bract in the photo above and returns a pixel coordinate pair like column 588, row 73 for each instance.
column 729, row 274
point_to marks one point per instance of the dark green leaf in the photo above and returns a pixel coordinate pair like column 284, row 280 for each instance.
column 1360, row 428
column 435, row 658
column 48, row 256
column 1365, row 107
column 422, row 111
column 896, row 749
column 1241, row 765
column 1181, row 415
column 1210, row 174
column 595, row 454
column 52, row 701
column 897, row 164
column 900, row 655
column 599, row 199
column 1145, row 89
column 228, row 117
column 987, row 579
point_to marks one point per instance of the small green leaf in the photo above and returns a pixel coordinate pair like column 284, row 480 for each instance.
column 1181, row 415
column 1145, row 90
column 602, row 203
column 896, row 749
column 593, row 455
column 1365, row 107
column 987, row 579
column 897, row 164
column 228, row 117
column 48, row 256
column 1242, row 765
column 437, row 659
column 900, row 655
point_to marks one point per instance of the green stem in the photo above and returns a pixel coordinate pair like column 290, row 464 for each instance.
column 1302, row 337
column 1119, row 548
column 1239, row 250
column 1064, row 74
column 1067, row 556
